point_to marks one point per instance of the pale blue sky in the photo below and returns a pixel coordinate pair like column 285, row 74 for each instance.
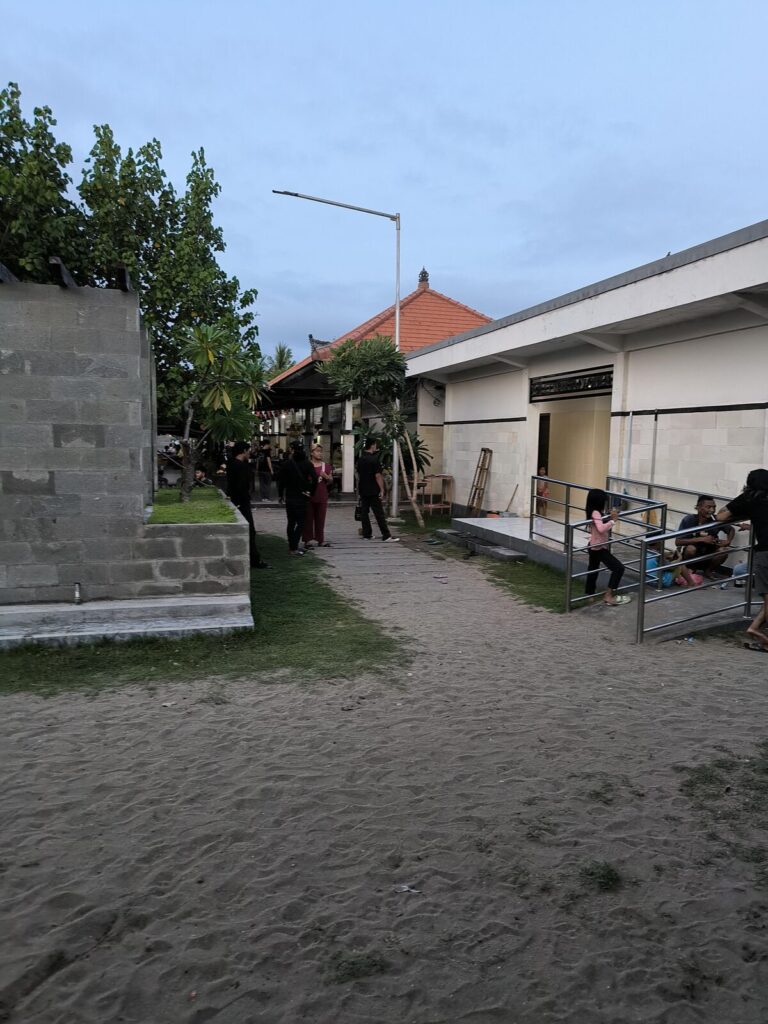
column 531, row 147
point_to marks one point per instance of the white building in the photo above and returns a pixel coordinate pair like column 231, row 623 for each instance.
column 658, row 374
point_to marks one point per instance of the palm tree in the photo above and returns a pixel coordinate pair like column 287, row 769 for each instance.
column 281, row 361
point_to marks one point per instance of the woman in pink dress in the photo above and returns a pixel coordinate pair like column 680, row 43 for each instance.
column 314, row 523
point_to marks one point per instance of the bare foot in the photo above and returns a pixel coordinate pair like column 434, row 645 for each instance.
column 759, row 636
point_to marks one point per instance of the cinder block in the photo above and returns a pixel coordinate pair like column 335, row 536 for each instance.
column 86, row 573
column 225, row 567
column 104, row 458
column 26, row 595
column 158, row 588
column 237, row 546
column 106, row 412
column 84, row 340
column 160, row 547
column 47, row 410
column 36, row 435
column 197, row 545
column 130, row 572
column 13, row 363
column 15, row 552
column 55, row 505
column 192, row 587
column 13, row 410
column 51, row 364
column 177, row 569
column 25, row 337
column 32, row 575
column 26, row 481
column 107, row 549
column 117, row 505
column 80, row 435
column 58, row 551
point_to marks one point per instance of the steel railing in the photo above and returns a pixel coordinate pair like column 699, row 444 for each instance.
column 660, row 492
column 656, row 576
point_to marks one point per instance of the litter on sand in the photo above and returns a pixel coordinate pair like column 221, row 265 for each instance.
column 169, row 704
column 439, row 576
column 406, row 888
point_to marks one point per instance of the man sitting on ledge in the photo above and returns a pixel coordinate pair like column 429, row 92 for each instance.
column 706, row 546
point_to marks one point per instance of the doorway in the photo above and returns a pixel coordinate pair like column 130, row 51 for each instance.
column 542, row 457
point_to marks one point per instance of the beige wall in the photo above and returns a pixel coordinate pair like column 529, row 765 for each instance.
column 499, row 396
column 462, row 450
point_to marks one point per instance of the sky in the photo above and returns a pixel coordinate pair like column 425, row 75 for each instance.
column 530, row 147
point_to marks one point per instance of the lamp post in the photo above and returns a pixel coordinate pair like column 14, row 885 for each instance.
column 395, row 217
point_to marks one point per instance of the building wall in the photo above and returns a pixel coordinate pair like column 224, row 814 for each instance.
column 77, row 457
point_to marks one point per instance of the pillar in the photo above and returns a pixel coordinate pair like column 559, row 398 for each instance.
column 347, row 451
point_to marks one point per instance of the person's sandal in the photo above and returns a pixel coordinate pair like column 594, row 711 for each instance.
column 621, row 599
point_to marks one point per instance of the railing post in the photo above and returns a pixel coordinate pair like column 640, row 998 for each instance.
column 568, row 567
column 532, row 508
column 640, row 628
column 567, row 516
column 748, row 587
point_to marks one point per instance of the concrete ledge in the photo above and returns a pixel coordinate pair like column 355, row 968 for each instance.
column 69, row 624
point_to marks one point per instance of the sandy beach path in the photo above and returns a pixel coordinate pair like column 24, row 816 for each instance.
column 426, row 845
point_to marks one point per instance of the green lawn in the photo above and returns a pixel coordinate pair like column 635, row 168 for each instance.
column 431, row 523
column 303, row 627
column 206, row 505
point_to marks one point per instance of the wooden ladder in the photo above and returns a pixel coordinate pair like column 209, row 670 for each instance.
column 477, row 493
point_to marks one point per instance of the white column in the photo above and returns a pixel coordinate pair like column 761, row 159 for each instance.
column 347, row 452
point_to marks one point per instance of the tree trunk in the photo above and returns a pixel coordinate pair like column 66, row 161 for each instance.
column 413, row 461
column 411, row 494
column 187, row 456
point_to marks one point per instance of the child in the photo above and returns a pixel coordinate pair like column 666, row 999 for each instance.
column 599, row 553
column 677, row 574
column 542, row 493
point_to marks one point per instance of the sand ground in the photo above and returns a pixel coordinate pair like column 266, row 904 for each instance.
column 240, row 855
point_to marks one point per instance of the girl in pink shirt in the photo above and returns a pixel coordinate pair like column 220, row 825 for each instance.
column 599, row 551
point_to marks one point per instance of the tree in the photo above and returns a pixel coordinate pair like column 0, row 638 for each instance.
column 226, row 377
column 374, row 370
column 38, row 219
column 282, row 360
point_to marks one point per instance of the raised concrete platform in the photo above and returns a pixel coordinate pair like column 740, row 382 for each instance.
column 514, row 533
column 68, row 624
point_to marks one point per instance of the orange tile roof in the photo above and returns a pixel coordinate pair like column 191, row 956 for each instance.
column 426, row 317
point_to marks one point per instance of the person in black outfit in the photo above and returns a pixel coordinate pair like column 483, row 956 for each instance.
column 299, row 481
column 282, row 459
column 239, row 491
column 370, row 489
column 265, row 470
column 752, row 504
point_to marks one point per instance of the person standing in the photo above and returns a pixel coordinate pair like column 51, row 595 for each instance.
column 239, row 491
column 752, row 504
column 599, row 552
column 370, row 489
column 299, row 482
column 265, row 470
column 314, row 523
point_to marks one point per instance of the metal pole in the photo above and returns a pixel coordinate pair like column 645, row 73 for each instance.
column 748, row 587
column 395, row 460
column 640, row 628
column 567, row 512
column 568, row 566
column 532, row 510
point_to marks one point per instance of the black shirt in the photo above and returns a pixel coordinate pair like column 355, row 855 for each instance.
column 749, row 505
column 239, row 482
column 368, row 465
column 298, row 478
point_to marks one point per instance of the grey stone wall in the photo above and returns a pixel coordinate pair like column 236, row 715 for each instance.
column 77, row 458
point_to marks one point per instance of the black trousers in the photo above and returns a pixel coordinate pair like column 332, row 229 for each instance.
column 368, row 505
column 296, row 512
column 615, row 567
column 245, row 512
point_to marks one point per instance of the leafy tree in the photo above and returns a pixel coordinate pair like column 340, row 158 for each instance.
column 226, row 377
column 38, row 218
column 281, row 361
column 374, row 370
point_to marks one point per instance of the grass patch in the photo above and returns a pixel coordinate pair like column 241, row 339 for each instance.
column 437, row 521
column 302, row 626
column 206, row 505
column 352, row 966
column 600, row 875
column 535, row 584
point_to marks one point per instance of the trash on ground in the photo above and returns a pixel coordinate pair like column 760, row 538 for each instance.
column 169, row 704
column 406, row 888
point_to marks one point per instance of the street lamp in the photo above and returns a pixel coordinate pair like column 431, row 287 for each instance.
column 396, row 218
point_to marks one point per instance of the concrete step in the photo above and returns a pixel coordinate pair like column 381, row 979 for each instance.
column 481, row 547
column 62, row 624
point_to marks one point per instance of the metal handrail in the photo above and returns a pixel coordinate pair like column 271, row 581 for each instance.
column 659, row 538
column 650, row 487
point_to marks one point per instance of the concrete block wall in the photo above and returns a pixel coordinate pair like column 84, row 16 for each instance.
column 77, row 458
column 462, row 444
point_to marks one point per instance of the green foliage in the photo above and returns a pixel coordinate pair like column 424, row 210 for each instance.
column 386, row 438
column 37, row 217
column 281, row 361
column 206, row 505
column 372, row 369
column 129, row 213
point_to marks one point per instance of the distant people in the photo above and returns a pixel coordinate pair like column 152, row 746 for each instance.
column 239, row 491
column 265, row 470
column 220, row 477
column 752, row 504
column 314, row 523
column 282, row 459
column 370, row 489
column 672, row 570
column 599, row 552
column 299, row 481
column 337, row 461
column 706, row 546
column 542, row 493
column 201, row 480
